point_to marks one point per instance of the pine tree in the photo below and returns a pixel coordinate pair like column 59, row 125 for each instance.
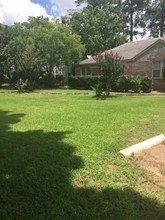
column 156, row 18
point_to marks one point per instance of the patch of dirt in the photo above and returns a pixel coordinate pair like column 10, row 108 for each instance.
column 111, row 167
column 153, row 159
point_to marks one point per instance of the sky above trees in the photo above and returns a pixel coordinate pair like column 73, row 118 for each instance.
column 12, row 11
column 18, row 10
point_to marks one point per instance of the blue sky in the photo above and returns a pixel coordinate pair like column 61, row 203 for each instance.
column 18, row 10
column 56, row 7
column 48, row 6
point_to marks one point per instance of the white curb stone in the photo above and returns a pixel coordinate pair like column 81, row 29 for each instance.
column 143, row 145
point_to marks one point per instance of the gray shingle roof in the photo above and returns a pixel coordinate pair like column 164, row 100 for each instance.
column 88, row 61
column 129, row 50
column 132, row 49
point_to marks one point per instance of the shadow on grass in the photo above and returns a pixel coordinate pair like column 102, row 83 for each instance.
column 35, row 181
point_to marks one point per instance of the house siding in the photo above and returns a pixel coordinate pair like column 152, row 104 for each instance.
column 142, row 68
column 159, row 85
column 143, row 65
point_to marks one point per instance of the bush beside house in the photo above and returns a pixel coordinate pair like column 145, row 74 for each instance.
column 83, row 82
column 123, row 84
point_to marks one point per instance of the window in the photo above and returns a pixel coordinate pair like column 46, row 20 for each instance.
column 88, row 71
column 160, row 50
column 157, row 69
column 83, row 71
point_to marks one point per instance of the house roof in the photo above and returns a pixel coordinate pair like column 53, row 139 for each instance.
column 130, row 50
column 90, row 60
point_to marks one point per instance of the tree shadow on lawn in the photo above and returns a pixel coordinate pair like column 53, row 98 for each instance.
column 35, row 181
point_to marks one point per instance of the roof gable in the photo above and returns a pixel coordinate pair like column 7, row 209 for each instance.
column 88, row 61
column 132, row 50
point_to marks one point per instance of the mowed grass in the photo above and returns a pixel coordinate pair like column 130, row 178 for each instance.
column 59, row 156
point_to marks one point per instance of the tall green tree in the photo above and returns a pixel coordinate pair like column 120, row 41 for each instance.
column 5, row 37
column 156, row 18
column 100, row 26
column 41, row 43
column 134, row 12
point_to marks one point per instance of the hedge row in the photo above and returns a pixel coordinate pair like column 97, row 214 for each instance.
column 83, row 82
column 134, row 83
column 123, row 84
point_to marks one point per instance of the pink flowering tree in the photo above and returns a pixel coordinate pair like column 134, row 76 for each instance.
column 111, row 66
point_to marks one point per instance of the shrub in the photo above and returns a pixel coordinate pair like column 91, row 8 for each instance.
column 21, row 85
column 146, row 84
column 46, row 81
column 134, row 83
column 1, row 79
column 98, row 89
column 60, row 79
column 124, row 83
column 83, row 82
column 163, row 72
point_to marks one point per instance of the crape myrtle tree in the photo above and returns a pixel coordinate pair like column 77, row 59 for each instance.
column 38, row 46
column 111, row 67
column 100, row 25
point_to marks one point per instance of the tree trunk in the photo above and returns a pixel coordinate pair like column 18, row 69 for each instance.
column 162, row 20
column 131, row 23
column 107, row 89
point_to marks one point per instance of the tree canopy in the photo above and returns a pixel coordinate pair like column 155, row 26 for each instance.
column 134, row 14
column 156, row 18
column 41, row 43
column 100, row 27
column 131, row 13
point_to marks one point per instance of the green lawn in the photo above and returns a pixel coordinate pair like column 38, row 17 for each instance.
column 59, row 156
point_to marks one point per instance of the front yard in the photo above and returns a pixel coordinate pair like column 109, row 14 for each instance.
column 59, row 156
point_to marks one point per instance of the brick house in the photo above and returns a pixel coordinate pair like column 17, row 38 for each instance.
column 144, row 57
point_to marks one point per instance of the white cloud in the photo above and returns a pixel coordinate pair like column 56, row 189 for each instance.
column 62, row 6
column 18, row 11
